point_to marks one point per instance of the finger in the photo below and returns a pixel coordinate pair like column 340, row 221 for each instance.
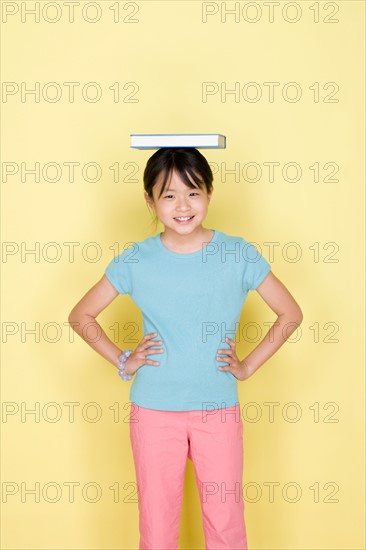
column 153, row 343
column 228, row 353
column 231, row 342
column 223, row 360
column 141, row 348
column 229, row 369
column 148, row 349
column 150, row 335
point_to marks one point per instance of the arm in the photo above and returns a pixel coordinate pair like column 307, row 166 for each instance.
column 289, row 317
column 82, row 319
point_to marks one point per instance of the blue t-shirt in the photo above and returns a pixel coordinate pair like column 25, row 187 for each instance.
column 193, row 301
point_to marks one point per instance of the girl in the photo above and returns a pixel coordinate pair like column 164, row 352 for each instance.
column 190, row 283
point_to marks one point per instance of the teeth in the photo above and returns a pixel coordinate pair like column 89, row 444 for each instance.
column 184, row 219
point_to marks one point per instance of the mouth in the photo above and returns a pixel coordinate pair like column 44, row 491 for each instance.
column 183, row 219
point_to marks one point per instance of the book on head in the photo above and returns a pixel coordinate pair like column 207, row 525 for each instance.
column 199, row 141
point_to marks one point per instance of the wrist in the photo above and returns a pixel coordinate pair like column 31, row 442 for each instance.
column 126, row 369
column 247, row 367
column 126, row 376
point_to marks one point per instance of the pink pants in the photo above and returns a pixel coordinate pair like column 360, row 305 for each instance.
column 213, row 441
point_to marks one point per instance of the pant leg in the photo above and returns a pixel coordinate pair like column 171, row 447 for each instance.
column 216, row 451
column 160, row 448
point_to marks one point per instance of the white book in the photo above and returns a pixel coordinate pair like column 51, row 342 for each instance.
column 199, row 141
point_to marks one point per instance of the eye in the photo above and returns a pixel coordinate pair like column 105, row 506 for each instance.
column 167, row 196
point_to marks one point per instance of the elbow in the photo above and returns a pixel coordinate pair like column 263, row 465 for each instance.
column 293, row 315
column 298, row 316
column 72, row 318
column 76, row 316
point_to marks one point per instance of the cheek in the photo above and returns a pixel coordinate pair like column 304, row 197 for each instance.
column 163, row 209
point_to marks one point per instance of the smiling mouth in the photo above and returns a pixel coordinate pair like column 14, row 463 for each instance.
column 183, row 218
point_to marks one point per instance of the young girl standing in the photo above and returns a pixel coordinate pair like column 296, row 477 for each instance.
column 190, row 284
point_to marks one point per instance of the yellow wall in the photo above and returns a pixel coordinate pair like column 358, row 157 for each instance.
column 171, row 54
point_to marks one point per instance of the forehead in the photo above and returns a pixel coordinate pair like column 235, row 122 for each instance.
column 174, row 181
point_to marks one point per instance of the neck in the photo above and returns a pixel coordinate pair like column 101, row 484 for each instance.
column 187, row 243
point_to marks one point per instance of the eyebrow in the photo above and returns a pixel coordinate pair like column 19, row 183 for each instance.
column 175, row 189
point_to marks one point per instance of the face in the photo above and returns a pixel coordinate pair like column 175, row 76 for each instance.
column 179, row 201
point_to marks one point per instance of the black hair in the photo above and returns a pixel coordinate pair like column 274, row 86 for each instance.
column 184, row 160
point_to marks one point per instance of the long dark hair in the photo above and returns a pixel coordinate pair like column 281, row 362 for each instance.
column 184, row 160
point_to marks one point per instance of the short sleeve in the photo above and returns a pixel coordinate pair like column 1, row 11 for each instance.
column 118, row 273
column 256, row 267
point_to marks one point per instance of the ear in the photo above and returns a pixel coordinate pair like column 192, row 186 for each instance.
column 149, row 201
column 210, row 195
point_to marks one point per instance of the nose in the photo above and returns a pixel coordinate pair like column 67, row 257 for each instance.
column 183, row 205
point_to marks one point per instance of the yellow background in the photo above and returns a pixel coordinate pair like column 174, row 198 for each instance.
column 169, row 52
